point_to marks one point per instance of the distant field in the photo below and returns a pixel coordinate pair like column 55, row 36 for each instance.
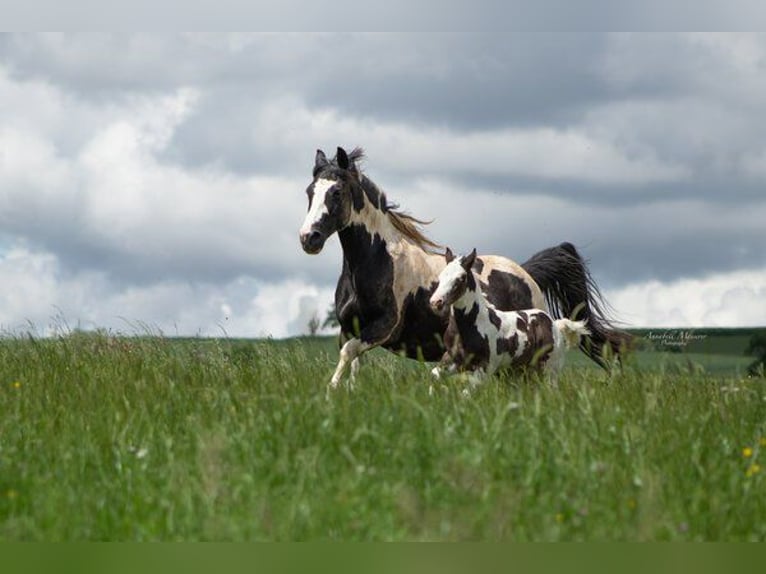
column 709, row 341
column 146, row 438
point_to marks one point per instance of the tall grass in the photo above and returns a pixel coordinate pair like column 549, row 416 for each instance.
column 107, row 438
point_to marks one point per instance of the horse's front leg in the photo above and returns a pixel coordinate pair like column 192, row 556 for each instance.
column 356, row 364
column 372, row 335
column 349, row 354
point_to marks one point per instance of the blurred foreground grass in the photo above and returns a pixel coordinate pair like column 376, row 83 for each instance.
column 149, row 438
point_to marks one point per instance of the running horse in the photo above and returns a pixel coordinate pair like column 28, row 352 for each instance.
column 391, row 268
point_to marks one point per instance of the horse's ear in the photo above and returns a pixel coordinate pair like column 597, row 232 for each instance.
column 448, row 255
column 320, row 160
column 468, row 260
column 342, row 158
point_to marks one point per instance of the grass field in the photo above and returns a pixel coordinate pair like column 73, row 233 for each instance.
column 147, row 438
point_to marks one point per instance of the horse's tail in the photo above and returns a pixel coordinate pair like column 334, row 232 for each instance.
column 572, row 331
column 570, row 291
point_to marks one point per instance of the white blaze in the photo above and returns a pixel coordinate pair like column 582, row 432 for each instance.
column 451, row 273
column 318, row 207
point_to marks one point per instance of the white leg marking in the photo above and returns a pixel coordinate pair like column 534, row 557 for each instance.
column 350, row 351
column 356, row 364
column 474, row 379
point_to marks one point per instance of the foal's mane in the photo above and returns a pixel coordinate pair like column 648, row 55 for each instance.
column 409, row 226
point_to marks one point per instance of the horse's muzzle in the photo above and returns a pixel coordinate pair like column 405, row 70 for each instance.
column 437, row 304
column 312, row 242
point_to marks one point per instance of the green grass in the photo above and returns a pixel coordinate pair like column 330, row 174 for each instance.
column 105, row 438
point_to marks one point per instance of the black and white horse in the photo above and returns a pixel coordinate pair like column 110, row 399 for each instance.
column 390, row 269
column 483, row 340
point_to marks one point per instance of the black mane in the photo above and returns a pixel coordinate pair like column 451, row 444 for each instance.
column 332, row 167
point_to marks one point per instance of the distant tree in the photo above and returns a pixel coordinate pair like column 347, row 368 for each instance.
column 757, row 348
column 313, row 324
column 331, row 319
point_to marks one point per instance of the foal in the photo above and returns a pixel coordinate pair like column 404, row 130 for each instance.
column 482, row 339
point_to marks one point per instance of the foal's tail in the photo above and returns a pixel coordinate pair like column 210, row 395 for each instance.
column 572, row 331
column 571, row 292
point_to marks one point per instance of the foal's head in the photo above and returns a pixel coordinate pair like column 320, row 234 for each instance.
column 453, row 280
column 331, row 194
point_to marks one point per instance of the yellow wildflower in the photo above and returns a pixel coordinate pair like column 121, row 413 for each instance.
column 747, row 452
column 632, row 503
column 16, row 384
column 752, row 470
column 11, row 493
column 559, row 518
column 762, row 441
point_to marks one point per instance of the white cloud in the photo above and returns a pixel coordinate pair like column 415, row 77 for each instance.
column 42, row 296
column 111, row 191
column 719, row 300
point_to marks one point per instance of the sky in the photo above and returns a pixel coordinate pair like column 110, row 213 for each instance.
column 156, row 181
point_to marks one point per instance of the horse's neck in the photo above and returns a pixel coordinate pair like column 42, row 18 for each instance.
column 369, row 231
column 359, row 245
column 471, row 297
column 375, row 221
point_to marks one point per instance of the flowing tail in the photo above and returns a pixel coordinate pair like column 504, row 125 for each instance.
column 571, row 292
column 572, row 331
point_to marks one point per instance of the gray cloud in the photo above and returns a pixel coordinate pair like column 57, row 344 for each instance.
column 155, row 160
column 658, row 240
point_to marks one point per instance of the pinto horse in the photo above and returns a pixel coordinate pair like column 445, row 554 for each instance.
column 390, row 270
column 482, row 339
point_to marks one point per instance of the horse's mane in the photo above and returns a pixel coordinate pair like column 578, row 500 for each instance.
column 410, row 227
column 404, row 223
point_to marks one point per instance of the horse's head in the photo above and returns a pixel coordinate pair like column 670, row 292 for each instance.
column 331, row 195
column 453, row 280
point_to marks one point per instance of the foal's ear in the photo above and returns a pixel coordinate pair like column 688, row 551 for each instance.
column 342, row 158
column 467, row 261
column 448, row 255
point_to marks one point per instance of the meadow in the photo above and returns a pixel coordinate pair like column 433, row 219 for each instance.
column 151, row 438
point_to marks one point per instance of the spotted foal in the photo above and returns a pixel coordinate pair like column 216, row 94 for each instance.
column 482, row 339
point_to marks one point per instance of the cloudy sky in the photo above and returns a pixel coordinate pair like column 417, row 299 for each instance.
column 158, row 180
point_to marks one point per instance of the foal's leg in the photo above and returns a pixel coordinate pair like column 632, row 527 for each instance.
column 475, row 379
column 447, row 363
column 555, row 362
column 446, row 366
